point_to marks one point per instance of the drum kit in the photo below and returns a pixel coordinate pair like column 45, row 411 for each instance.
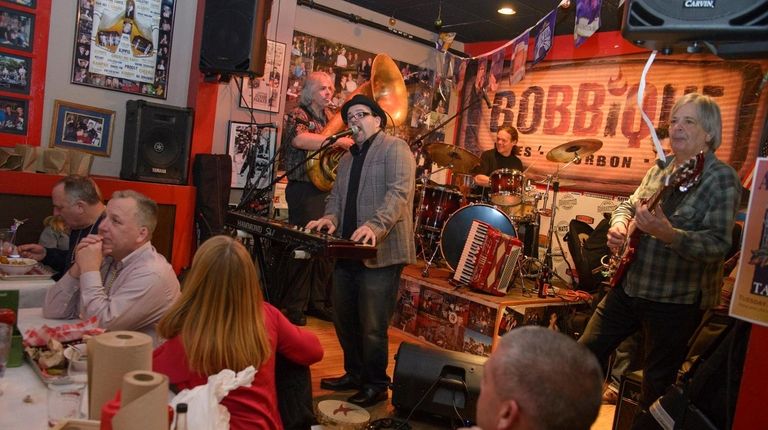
column 512, row 204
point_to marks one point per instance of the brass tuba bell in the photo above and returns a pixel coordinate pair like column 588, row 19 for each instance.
column 387, row 87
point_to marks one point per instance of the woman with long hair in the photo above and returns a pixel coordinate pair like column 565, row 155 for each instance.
column 222, row 322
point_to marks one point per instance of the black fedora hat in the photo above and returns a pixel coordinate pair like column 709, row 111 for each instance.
column 360, row 99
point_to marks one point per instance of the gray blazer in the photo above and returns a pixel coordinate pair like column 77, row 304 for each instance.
column 384, row 199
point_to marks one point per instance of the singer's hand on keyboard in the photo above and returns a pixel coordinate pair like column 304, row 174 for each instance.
column 320, row 224
column 364, row 234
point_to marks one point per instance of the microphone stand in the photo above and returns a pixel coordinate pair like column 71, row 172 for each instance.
column 416, row 144
column 252, row 194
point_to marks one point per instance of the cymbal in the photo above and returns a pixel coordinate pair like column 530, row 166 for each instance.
column 566, row 152
column 457, row 159
column 563, row 182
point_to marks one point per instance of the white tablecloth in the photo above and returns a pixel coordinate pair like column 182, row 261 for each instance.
column 22, row 383
column 31, row 292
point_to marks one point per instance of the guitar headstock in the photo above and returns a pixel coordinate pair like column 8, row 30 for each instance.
column 687, row 174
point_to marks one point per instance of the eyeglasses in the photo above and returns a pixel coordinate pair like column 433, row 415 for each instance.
column 358, row 116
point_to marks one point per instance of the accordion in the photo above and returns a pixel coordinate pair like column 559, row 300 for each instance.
column 488, row 260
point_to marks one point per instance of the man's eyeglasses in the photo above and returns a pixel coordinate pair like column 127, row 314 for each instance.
column 358, row 116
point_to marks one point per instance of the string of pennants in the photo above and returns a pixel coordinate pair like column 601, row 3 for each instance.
column 451, row 68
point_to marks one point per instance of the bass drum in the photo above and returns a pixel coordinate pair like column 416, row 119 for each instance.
column 456, row 229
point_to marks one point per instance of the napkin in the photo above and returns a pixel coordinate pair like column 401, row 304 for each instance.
column 204, row 411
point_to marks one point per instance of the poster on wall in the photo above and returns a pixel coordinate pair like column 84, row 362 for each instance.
column 263, row 92
column 350, row 68
column 124, row 45
column 750, row 291
column 252, row 149
column 13, row 115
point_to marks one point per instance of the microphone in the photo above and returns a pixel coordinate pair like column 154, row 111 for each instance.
column 309, row 124
column 487, row 100
column 350, row 131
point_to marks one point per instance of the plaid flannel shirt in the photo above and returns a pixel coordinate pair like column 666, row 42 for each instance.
column 690, row 268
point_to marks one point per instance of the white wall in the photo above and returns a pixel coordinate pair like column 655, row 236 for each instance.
column 286, row 16
column 59, row 70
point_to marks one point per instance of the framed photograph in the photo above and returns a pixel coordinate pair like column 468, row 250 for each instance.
column 13, row 115
column 27, row 3
column 252, row 150
column 85, row 128
column 264, row 93
column 124, row 46
column 16, row 29
column 15, row 73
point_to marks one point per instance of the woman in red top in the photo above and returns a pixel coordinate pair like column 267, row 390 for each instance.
column 222, row 322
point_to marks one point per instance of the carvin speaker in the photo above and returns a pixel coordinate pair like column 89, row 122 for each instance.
column 156, row 143
column 629, row 400
column 234, row 36
column 436, row 381
column 729, row 28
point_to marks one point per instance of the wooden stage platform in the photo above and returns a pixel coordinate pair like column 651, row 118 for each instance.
column 459, row 319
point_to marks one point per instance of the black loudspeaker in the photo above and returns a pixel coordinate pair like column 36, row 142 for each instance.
column 436, row 381
column 733, row 28
column 629, row 400
column 212, row 175
column 156, row 143
column 234, row 36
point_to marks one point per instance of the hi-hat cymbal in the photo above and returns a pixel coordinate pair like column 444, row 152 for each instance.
column 457, row 159
column 566, row 152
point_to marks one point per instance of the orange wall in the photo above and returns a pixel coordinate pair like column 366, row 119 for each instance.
column 183, row 197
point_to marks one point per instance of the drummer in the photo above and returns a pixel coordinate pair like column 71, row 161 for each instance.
column 500, row 157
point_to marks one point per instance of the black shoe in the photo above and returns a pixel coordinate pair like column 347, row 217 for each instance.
column 297, row 318
column 368, row 397
column 323, row 314
column 342, row 383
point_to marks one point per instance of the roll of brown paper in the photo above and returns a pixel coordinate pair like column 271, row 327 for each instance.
column 144, row 402
column 110, row 356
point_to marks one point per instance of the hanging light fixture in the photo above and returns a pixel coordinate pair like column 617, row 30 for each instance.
column 507, row 9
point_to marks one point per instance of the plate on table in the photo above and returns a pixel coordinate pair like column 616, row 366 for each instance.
column 38, row 272
column 57, row 374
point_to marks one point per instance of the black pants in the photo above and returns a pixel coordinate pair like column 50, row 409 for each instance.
column 305, row 283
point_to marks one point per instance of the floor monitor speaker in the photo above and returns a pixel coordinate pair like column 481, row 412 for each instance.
column 234, row 36
column 156, row 142
column 628, row 405
column 437, row 382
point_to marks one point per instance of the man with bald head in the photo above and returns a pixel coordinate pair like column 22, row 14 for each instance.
column 539, row 379
column 77, row 199
column 118, row 276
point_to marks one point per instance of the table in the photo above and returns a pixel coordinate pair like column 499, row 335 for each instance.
column 22, row 382
column 31, row 291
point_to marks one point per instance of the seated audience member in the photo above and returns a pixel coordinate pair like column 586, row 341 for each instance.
column 55, row 234
column 77, row 200
column 222, row 322
column 118, row 276
column 539, row 379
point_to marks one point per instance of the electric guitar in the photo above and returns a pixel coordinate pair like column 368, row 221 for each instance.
column 683, row 178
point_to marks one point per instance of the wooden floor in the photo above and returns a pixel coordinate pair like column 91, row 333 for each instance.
column 333, row 365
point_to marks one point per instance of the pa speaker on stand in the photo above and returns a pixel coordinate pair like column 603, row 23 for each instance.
column 234, row 38
column 156, row 143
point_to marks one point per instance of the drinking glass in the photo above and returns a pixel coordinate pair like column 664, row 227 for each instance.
column 6, row 333
column 6, row 243
column 77, row 370
column 64, row 401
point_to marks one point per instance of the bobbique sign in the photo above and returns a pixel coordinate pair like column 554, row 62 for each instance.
column 560, row 102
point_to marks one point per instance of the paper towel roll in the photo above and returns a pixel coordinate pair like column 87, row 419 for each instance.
column 144, row 402
column 110, row 356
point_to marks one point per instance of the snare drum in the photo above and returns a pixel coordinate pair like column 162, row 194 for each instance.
column 456, row 229
column 463, row 182
column 436, row 204
column 506, row 186
column 523, row 211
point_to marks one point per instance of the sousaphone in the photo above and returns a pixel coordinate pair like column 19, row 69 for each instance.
column 387, row 87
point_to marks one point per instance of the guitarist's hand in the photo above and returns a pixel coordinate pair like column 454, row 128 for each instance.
column 617, row 234
column 654, row 223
